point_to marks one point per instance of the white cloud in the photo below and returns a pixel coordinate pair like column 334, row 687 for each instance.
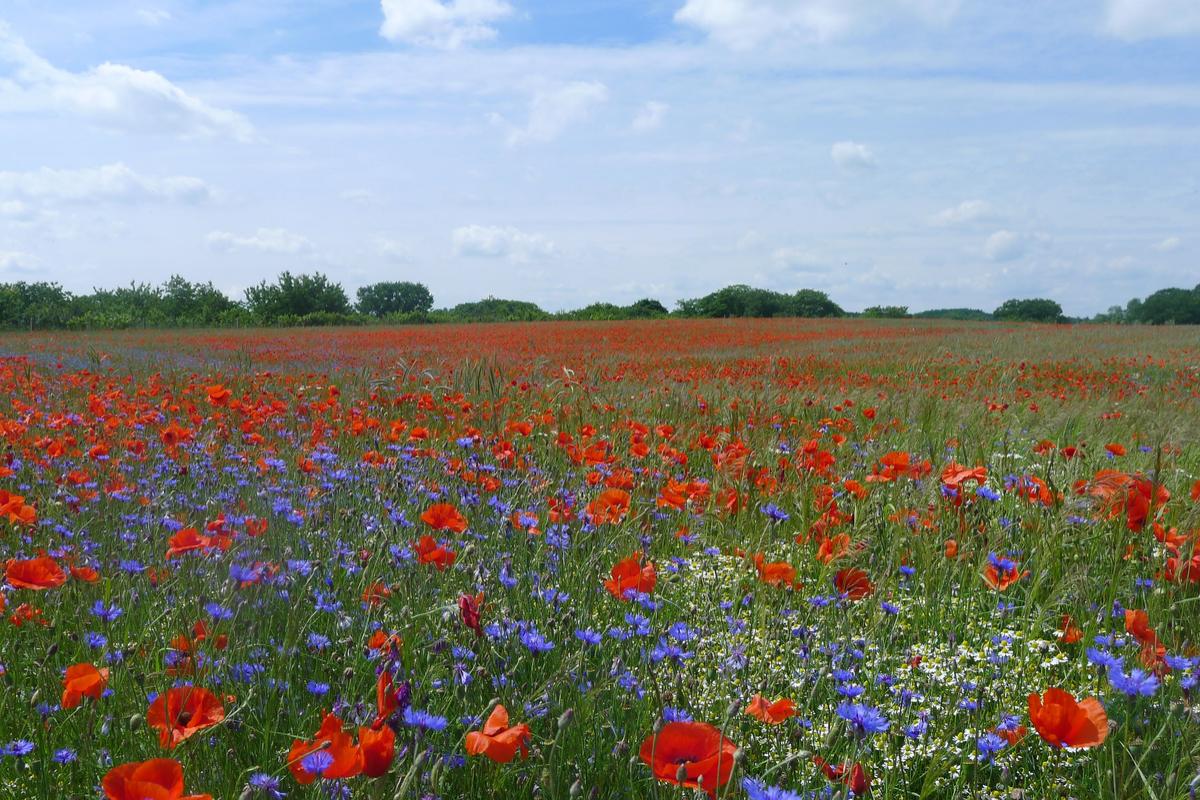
column 650, row 116
column 795, row 259
column 552, row 111
column 15, row 209
column 394, row 251
column 264, row 240
column 501, row 242
column 1168, row 245
column 1004, row 246
column 113, row 96
column 153, row 16
column 110, row 183
column 852, row 155
column 446, row 25
column 743, row 24
column 1148, row 19
column 961, row 214
column 16, row 261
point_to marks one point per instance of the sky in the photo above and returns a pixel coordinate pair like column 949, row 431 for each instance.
column 928, row 153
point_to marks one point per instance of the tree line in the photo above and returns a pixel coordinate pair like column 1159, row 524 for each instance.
column 314, row 299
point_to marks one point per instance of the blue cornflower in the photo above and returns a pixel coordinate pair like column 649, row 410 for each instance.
column 889, row 608
column 106, row 613
column 95, row 640
column 317, row 762
column 535, row 642
column 18, row 748
column 1137, row 682
column 989, row 747
column 424, row 720
column 318, row 641
column 64, row 756
column 588, row 637
column 317, row 688
column 675, row 715
column 864, row 719
column 267, row 784
column 987, row 493
column 776, row 513
column 757, row 791
column 1105, row 659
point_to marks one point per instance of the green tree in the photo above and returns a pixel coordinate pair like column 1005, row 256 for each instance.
column 295, row 296
column 187, row 303
column 1030, row 310
column 34, row 305
column 394, row 297
column 886, row 312
column 1174, row 306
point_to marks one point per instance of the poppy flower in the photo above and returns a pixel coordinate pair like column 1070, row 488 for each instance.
column 854, row 583
column 83, row 680
column 35, row 573
column 1002, row 573
column 188, row 540
column 378, row 750
column 183, row 711
column 430, row 552
column 387, row 699
column 342, row 757
column 444, row 517
column 610, row 506
column 855, row 777
column 690, row 754
column 498, row 740
column 776, row 573
column 156, row 779
column 1137, row 625
column 629, row 575
column 1070, row 632
column 468, row 609
column 1064, row 722
column 771, row 713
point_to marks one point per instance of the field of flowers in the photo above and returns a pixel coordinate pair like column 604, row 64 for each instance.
column 764, row 559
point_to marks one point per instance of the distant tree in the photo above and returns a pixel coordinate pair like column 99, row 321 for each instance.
column 966, row 314
column 1030, row 310
column 886, row 312
column 740, row 300
column 1114, row 316
column 1174, row 306
column 34, row 305
column 295, row 296
column 494, row 309
column 811, row 303
column 648, row 307
column 394, row 297
column 187, row 303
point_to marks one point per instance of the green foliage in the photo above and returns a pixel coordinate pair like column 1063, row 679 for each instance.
column 187, row 303
column 642, row 309
column 296, row 296
column 964, row 314
column 34, row 305
column 494, row 309
column 1167, row 306
column 1030, row 310
column 394, row 297
column 886, row 312
column 740, row 300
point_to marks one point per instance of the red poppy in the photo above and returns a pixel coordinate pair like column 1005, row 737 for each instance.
column 347, row 757
column 831, row 549
column 157, row 779
column 430, row 552
column 771, row 713
column 14, row 507
column 629, row 575
column 444, row 517
column 183, row 711
column 776, row 573
column 35, row 573
column 498, row 740
column 468, row 609
column 1064, row 722
column 188, row 540
column 854, row 583
column 218, row 395
column 378, row 750
column 1002, row 573
column 855, row 777
column 83, row 680
column 611, row 505
column 1070, row 633
column 690, row 754
column 387, row 702
column 1137, row 625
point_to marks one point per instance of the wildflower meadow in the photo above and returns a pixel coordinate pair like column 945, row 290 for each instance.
column 650, row 559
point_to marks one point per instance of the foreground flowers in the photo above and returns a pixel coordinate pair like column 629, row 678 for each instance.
column 498, row 740
column 183, row 712
column 1064, row 722
column 157, row 779
column 690, row 754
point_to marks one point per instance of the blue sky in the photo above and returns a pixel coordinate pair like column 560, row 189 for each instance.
column 926, row 153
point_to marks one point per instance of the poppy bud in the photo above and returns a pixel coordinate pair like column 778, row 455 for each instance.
column 566, row 718
column 51, row 650
column 247, row 793
column 739, row 755
column 348, row 674
column 135, row 722
column 732, row 709
column 577, row 788
column 681, row 773
column 658, row 725
column 33, row 698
